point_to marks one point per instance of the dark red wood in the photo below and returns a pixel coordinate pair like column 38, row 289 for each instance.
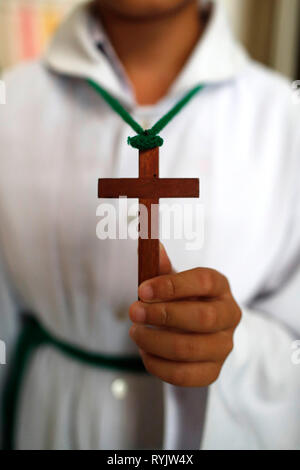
column 149, row 248
column 149, row 188
column 149, row 163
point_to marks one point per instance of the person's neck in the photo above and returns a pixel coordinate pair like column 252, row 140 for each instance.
column 153, row 52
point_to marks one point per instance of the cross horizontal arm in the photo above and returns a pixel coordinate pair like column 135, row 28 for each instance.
column 146, row 188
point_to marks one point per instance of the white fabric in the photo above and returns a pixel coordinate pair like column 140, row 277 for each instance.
column 240, row 136
column 255, row 405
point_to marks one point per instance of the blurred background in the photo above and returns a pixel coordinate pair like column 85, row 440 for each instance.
column 270, row 29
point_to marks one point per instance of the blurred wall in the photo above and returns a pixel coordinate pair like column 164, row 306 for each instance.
column 27, row 25
column 270, row 29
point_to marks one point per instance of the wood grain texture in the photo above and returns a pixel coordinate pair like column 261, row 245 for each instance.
column 148, row 264
column 149, row 188
column 148, row 248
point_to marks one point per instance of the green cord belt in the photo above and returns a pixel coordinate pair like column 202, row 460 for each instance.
column 32, row 337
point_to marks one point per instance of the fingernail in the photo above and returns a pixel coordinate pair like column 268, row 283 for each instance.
column 139, row 315
column 146, row 292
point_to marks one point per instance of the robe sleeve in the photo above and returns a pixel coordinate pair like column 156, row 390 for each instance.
column 255, row 403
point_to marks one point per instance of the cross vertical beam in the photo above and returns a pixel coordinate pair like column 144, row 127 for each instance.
column 148, row 248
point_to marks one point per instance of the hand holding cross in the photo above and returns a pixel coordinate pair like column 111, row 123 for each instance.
column 195, row 319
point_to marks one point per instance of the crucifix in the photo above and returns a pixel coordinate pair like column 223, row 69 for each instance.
column 148, row 188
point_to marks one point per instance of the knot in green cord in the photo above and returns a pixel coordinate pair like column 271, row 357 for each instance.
column 145, row 141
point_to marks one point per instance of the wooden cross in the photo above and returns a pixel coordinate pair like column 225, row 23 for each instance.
column 148, row 188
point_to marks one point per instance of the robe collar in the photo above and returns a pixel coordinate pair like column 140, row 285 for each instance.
column 217, row 58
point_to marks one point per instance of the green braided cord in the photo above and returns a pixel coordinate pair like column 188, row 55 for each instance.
column 145, row 139
column 159, row 126
column 117, row 107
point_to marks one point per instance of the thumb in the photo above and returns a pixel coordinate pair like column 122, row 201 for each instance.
column 165, row 266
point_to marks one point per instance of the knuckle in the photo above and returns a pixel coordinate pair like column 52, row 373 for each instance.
column 169, row 288
column 209, row 316
column 225, row 282
column 198, row 272
column 179, row 347
column 164, row 314
column 207, row 280
column 238, row 316
column 236, row 312
column 191, row 348
column 227, row 343
column 214, row 373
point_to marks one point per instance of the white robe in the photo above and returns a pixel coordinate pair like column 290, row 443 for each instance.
column 241, row 137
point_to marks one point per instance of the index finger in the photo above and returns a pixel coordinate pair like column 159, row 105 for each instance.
column 198, row 282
